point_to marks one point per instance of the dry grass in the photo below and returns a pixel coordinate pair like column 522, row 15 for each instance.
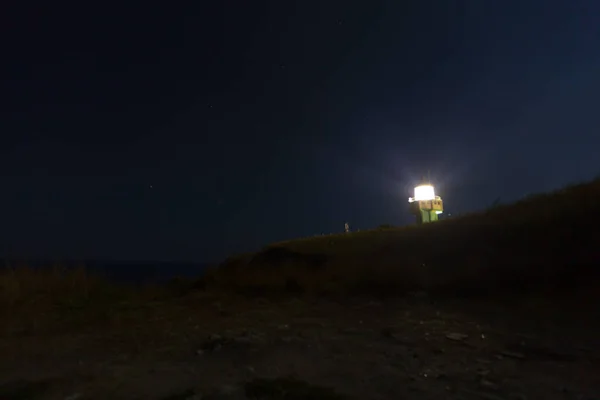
column 59, row 299
column 20, row 285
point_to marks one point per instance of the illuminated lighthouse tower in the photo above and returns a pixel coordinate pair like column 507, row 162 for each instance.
column 426, row 205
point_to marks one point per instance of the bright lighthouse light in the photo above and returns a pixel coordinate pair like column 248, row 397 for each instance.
column 424, row 192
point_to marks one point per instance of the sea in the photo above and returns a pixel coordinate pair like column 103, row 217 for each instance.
column 130, row 272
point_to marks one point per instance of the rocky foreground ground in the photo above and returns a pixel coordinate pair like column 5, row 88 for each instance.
column 203, row 346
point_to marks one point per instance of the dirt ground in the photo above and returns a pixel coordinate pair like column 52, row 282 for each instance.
column 203, row 346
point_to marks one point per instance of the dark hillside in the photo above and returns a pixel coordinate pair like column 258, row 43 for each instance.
column 547, row 241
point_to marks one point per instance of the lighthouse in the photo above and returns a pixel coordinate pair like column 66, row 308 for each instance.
column 425, row 204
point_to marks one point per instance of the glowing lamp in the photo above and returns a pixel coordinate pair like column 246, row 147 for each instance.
column 426, row 205
column 424, row 192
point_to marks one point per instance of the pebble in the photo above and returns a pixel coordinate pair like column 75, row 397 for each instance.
column 512, row 354
column 456, row 336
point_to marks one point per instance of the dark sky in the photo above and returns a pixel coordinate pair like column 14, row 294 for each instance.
column 188, row 134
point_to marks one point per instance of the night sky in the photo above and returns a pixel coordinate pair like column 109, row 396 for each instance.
column 141, row 133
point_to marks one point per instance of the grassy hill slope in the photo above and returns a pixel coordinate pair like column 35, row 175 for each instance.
column 543, row 241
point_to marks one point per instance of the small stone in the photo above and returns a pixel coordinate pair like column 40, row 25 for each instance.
column 189, row 394
column 512, row 354
column 487, row 384
column 418, row 294
column 482, row 395
column 387, row 332
column 456, row 336
column 292, row 339
column 228, row 390
column 518, row 396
